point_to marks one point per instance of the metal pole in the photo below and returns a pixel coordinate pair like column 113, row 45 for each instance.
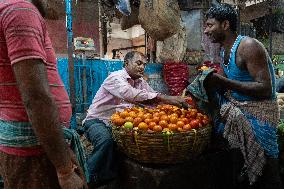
column 70, row 59
column 270, row 32
column 100, row 30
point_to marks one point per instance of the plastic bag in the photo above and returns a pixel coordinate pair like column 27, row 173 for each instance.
column 124, row 7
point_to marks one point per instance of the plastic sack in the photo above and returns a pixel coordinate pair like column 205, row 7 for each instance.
column 124, row 7
column 172, row 48
column 159, row 18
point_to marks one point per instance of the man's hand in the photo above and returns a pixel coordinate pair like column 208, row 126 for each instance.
column 70, row 181
column 74, row 178
column 174, row 100
column 78, row 170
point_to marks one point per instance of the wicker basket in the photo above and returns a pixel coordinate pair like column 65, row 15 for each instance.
column 162, row 148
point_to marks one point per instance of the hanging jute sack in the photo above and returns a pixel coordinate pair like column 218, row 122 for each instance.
column 159, row 18
column 131, row 20
column 172, row 48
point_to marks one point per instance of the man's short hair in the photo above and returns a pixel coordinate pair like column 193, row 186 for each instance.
column 222, row 12
column 130, row 55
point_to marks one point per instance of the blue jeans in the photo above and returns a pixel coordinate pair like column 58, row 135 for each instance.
column 101, row 162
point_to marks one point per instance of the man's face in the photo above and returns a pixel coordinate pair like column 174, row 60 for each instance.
column 135, row 67
column 214, row 30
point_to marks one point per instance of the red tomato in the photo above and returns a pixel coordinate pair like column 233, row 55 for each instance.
column 194, row 123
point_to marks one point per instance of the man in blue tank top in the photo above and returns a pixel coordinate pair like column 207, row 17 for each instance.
column 244, row 92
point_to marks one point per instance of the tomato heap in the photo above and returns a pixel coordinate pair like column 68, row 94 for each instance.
column 161, row 118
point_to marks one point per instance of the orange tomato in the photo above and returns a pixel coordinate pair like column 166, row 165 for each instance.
column 164, row 117
column 180, row 124
column 172, row 127
column 136, row 121
column 156, row 119
column 147, row 116
column 192, row 114
column 135, row 109
column 173, row 119
column 151, row 111
column 185, row 120
column 143, row 126
column 157, row 128
column 141, row 115
column 162, row 113
column 199, row 115
column 156, row 114
column 194, row 110
column 118, row 121
column 151, row 125
column 186, row 127
column 178, row 112
column 114, row 116
column 147, row 120
column 129, row 119
column 163, row 123
column 132, row 114
column 124, row 114
column 205, row 117
column 174, row 115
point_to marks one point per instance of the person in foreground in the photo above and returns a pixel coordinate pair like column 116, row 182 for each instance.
column 244, row 92
column 121, row 89
column 34, row 106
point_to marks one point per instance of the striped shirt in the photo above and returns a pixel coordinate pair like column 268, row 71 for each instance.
column 23, row 35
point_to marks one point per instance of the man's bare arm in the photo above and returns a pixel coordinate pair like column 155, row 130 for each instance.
column 31, row 76
column 255, row 58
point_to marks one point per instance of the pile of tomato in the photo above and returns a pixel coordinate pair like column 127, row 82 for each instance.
column 161, row 118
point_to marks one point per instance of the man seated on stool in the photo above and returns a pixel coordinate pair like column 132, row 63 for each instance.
column 121, row 89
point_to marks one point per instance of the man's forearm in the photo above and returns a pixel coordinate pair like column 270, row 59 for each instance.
column 254, row 89
column 43, row 115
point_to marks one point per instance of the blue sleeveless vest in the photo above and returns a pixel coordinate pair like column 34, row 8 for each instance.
column 233, row 72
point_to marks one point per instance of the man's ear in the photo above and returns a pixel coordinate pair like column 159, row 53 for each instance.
column 226, row 25
column 126, row 62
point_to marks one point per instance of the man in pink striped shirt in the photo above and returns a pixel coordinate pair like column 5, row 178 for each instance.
column 121, row 89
